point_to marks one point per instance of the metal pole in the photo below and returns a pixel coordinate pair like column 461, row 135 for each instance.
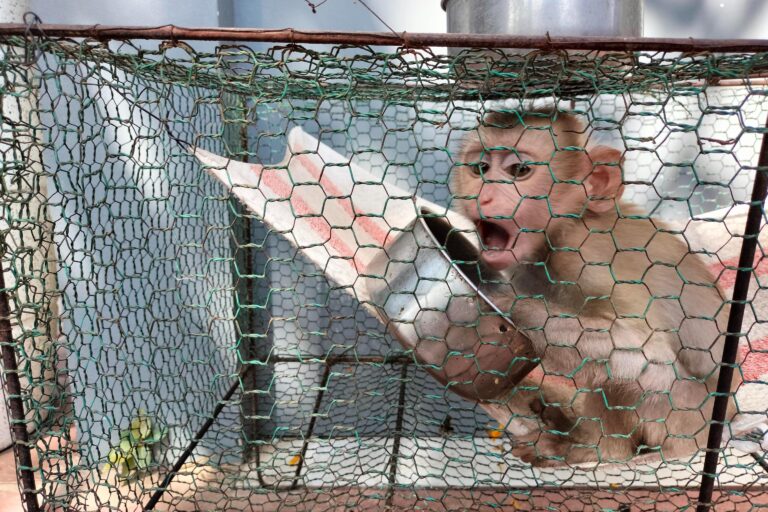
column 409, row 39
column 311, row 427
column 393, row 458
column 735, row 319
column 196, row 440
column 13, row 391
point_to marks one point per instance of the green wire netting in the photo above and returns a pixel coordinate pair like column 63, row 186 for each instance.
column 142, row 290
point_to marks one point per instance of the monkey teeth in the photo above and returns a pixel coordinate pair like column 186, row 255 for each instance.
column 493, row 236
column 497, row 245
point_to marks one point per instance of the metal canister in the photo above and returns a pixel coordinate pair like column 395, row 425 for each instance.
column 426, row 292
column 537, row 17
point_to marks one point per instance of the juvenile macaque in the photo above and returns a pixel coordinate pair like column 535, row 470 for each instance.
column 613, row 301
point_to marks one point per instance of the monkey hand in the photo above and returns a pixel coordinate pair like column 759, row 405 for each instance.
column 551, row 444
column 552, row 449
column 586, row 442
column 562, row 441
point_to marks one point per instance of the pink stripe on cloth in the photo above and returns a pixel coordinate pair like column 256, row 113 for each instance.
column 319, row 224
column 368, row 224
column 755, row 356
column 726, row 277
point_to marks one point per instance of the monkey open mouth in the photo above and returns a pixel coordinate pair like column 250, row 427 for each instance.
column 497, row 244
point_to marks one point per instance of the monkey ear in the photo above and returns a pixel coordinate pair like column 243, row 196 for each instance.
column 603, row 178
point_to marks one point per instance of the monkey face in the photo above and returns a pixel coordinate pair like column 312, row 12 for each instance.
column 521, row 184
column 510, row 211
column 504, row 186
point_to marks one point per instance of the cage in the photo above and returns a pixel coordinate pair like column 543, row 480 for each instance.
column 185, row 329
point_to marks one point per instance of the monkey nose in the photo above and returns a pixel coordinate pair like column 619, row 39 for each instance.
column 485, row 198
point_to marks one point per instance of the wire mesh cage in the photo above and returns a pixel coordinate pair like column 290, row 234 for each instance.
column 222, row 287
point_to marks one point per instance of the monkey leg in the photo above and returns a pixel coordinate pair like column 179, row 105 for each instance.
column 552, row 407
column 678, row 425
column 604, row 431
column 550, row 444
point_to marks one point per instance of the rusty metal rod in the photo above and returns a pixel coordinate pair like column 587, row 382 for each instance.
column 339, row 359
column 395, row 455
column 735, row 319
column 159, row 491
column 16, row 406
column 410, row 39
column 311, row 428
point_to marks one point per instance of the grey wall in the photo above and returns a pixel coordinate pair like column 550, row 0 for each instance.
column 146, row 310
column 409, row 15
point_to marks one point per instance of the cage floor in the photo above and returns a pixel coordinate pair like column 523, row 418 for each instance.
column 432, row 474
column 198, row 488
column 204, row 487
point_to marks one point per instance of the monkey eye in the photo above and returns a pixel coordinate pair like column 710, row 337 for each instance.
column 519, row 171
column 480, row 168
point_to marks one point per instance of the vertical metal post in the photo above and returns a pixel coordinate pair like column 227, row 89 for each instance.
column 312, row 420
column 13, row 391
column 735, row 319
column 245, row 257
column 393, row 459
column 158, row 494
column 251, row 322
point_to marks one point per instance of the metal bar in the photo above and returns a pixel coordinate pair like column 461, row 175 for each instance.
column 250, row 400
column 735, row 319
column 342, row 359
column 311, row 427
column 196, row 440
column 398, row 436
column 413, row 39
column 753, row 80
column 549, row 488
column 13, row 391
column 760, row 459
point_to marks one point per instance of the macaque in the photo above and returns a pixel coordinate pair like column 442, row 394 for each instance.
column 612, row 300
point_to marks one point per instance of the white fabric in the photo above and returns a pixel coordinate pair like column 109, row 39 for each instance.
column 331, row 231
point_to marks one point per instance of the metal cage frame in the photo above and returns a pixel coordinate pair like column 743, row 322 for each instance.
column 410, row 40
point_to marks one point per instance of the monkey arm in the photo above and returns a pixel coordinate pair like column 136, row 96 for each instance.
column 484, row 371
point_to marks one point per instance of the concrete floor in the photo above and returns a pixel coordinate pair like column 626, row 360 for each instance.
column 644, row 499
